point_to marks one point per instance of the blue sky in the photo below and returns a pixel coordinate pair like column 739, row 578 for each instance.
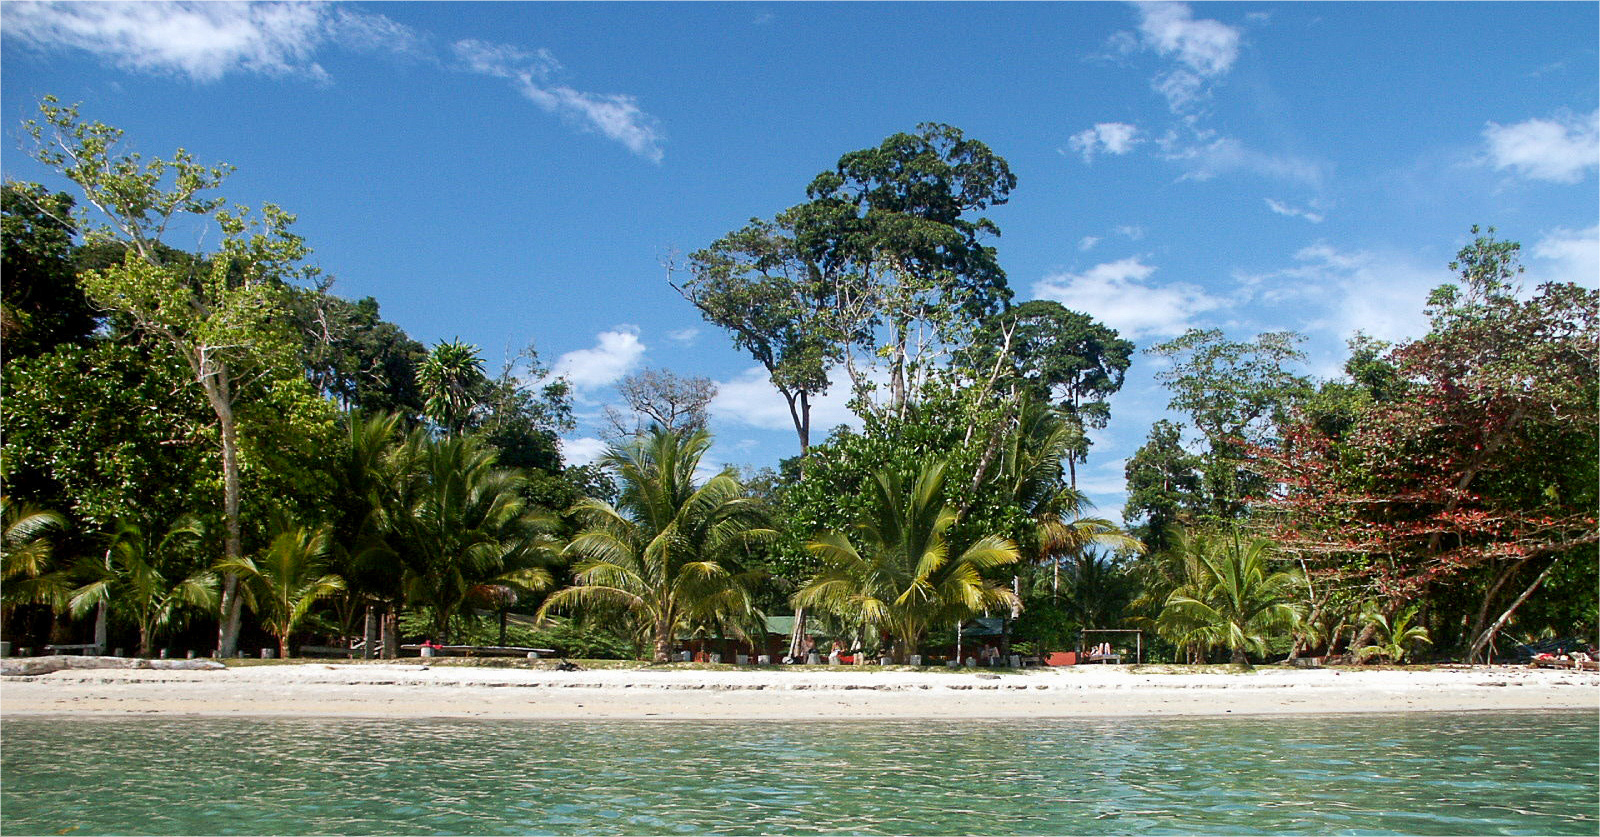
column 515, row 172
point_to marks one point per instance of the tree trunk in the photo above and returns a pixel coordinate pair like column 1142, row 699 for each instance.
column 145, row 640
column 391, row 633
column 283, row 647
column 1239, row 658
column 502, row 640
column 369, row 633
column 1488, row 636
column 663, row 643
column 1482, row 620
column 101, row 614
column 214, row 380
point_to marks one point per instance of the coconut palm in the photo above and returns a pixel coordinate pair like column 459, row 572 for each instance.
column 452, row 382
column 1233, row 600
column 455, row 522
column 1395, row 638
column 1032, row 476
column 27, row 567
column 138, row 574
column 895, row 573
column 666, row 554
column 284, row 580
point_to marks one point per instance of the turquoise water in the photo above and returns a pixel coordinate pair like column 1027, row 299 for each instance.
column 1517, row 773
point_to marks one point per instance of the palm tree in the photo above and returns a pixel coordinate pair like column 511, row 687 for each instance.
column 896, row 575
column 456, row 522
column 1396, row 638
column 453, row 384
column 1032, row 476
column 286, row 579
column 665, row 553
column 137, row 572
column 1233, row 600
column 27, row 569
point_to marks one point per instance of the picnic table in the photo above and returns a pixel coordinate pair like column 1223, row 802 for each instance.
column 483, row 650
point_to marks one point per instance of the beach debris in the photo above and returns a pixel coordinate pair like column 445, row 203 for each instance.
column 35, row 666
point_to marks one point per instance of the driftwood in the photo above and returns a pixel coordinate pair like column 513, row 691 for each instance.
column 33, row 666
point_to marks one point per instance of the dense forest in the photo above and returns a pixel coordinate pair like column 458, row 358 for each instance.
column 211, row 450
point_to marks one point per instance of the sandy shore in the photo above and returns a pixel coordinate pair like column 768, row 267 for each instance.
column 414, row 690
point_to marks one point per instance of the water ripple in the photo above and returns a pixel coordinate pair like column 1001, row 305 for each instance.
column 1515, row 773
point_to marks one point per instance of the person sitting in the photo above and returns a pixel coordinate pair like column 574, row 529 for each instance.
column 989, row 655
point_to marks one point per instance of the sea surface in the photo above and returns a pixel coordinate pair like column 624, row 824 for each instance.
column 1456, row 773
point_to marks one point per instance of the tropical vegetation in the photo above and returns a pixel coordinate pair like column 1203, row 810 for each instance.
column 214, row 450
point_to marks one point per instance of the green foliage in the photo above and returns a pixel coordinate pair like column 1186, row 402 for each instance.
column 453, row 383
column 895, row 572
column 148, row 575
column 41, row 304
column 667, row 556
column 29, row 569
column 1396, row 638
column 457, row 526
column 1163, row 487
column 1232, row 598
column 106, row 432
column 284, row 581
column 585, row 640
column 354, row 356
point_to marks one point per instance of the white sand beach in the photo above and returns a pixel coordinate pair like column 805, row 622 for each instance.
column 414, row 690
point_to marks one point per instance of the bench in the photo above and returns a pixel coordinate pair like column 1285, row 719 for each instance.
column 82, row 648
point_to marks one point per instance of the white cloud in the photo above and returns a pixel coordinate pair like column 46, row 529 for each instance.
column 1117, row 294
column 684, row 336
column 1564, row 255
column 1087, row 243
column 1110, row 137
column 615, row 354
column 1560, row 150
column 1133, row 233
column 1381, row 295
column 200, row 41
column 1293, row 211
column 1181, row 88
column 749, row 399
column 616, row 116
column 1226, row 155
column 583, row 451
column 1207, row 47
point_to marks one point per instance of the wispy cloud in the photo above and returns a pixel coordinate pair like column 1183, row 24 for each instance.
column 1120, row 295
column 205, row 42
column 1225, row 155
column 199, row 41
column 1282, row 208
column 582, row 451
column 1107, row 137
column 1564, row 255
column 615, row 116
column 1204, row 51
column 1087, row 243
column 615, row 354
column 684, row 336
column 1560, row 150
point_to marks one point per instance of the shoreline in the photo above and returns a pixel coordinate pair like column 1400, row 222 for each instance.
column 398, row 691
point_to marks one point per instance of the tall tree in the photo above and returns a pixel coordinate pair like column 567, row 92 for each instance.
column 1163, row 486
column 1063, row 358
column 354, row 356
column 896, row 219
column 660, row 398
column 223, row 319
column 777, row 302
column 667, row 554
column 1481, row 473
column 1234, row 393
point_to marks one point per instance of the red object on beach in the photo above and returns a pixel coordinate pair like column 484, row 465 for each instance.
column 1061, row 658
